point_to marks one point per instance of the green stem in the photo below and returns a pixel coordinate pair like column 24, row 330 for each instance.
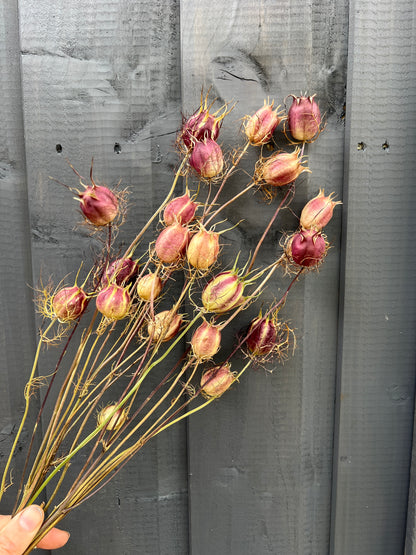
column 196, row 409
column 97, row 430
column 27, row 402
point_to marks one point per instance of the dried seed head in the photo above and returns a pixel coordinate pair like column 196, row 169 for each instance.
column 224, row 292
column 318, row 211
column 165, row 326
column 259, row 128
column 171, row 243
column 149, row 286
column 206, row 341
column 215, row 381
column 203, row 249
column 98, row 204
column 281, row 168
column 116, row 421
column 113, row 302
column 306, row 248
column 69, row 303
column 120, row 271
column 262, row 336
column 200, row 126
column 180, row 209
column 304, row 119
column 207, row 158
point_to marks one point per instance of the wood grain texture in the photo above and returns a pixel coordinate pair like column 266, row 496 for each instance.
column 260, row 459
column 377, row 340
column 17, row 322
column 102, row 80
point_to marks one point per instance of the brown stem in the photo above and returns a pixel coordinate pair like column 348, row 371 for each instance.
column 225, row 179
column 290, row 190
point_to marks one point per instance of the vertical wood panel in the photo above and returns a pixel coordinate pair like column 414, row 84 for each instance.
column 96, row 75
column 16, row 309
column 260, row 458
column 377, row 343
column 410, row 542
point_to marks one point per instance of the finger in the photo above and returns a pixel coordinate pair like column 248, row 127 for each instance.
column 54, row 538
column 4, row 519
column 20, row 531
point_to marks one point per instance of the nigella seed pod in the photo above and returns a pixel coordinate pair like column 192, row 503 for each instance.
column 165, row 326
column 113, row 302
column 281, row 168
column 259, row 128
column 171, row 243
column 201, row 125
column 261, row 336
column 98, row 204
column 307, row 248
column 206, row 341
column 304, row 119
column 180, row 209
column 115, row 421
column 203, row 249
column 69, row 303
column 318, row 211
column 149, row 286
column 215, row 381
column 224, row 292
column 207, row 158
column 120, row 271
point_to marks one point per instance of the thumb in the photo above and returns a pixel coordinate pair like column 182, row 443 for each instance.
column 19, row 532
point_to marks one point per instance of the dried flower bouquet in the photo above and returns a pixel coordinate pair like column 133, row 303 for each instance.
column 122, row 330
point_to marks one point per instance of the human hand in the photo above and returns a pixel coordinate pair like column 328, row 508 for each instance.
column 17, row 533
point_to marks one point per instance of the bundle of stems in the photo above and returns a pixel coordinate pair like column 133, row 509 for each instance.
column 118, row 333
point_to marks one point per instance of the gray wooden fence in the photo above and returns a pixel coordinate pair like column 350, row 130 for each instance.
column 315, row 457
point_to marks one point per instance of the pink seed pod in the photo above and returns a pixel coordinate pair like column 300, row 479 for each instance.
column 98, row 204
column 261, row 336
column 171, row 243
column 281, row 168
column 215, row 381
column 200, row 126
column 307, row 248
column 149, row 286
column 165, row 326
column 115, row 422
column 206, row 341
column 113, row 302
column 203, row 249
column 69, row 303
column 259, row 128
column 120, row 271
column 207, row 158
column 318, row 211
column 224, row 292
column 180, row 209
column 304, row 119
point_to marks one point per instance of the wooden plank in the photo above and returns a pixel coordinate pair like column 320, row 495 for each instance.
column 410, row 542
column 261, row 458
column 16, row 309
column 103, row 81
column 377, row 339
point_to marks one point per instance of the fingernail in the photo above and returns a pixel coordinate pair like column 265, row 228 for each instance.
column 31, row 518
